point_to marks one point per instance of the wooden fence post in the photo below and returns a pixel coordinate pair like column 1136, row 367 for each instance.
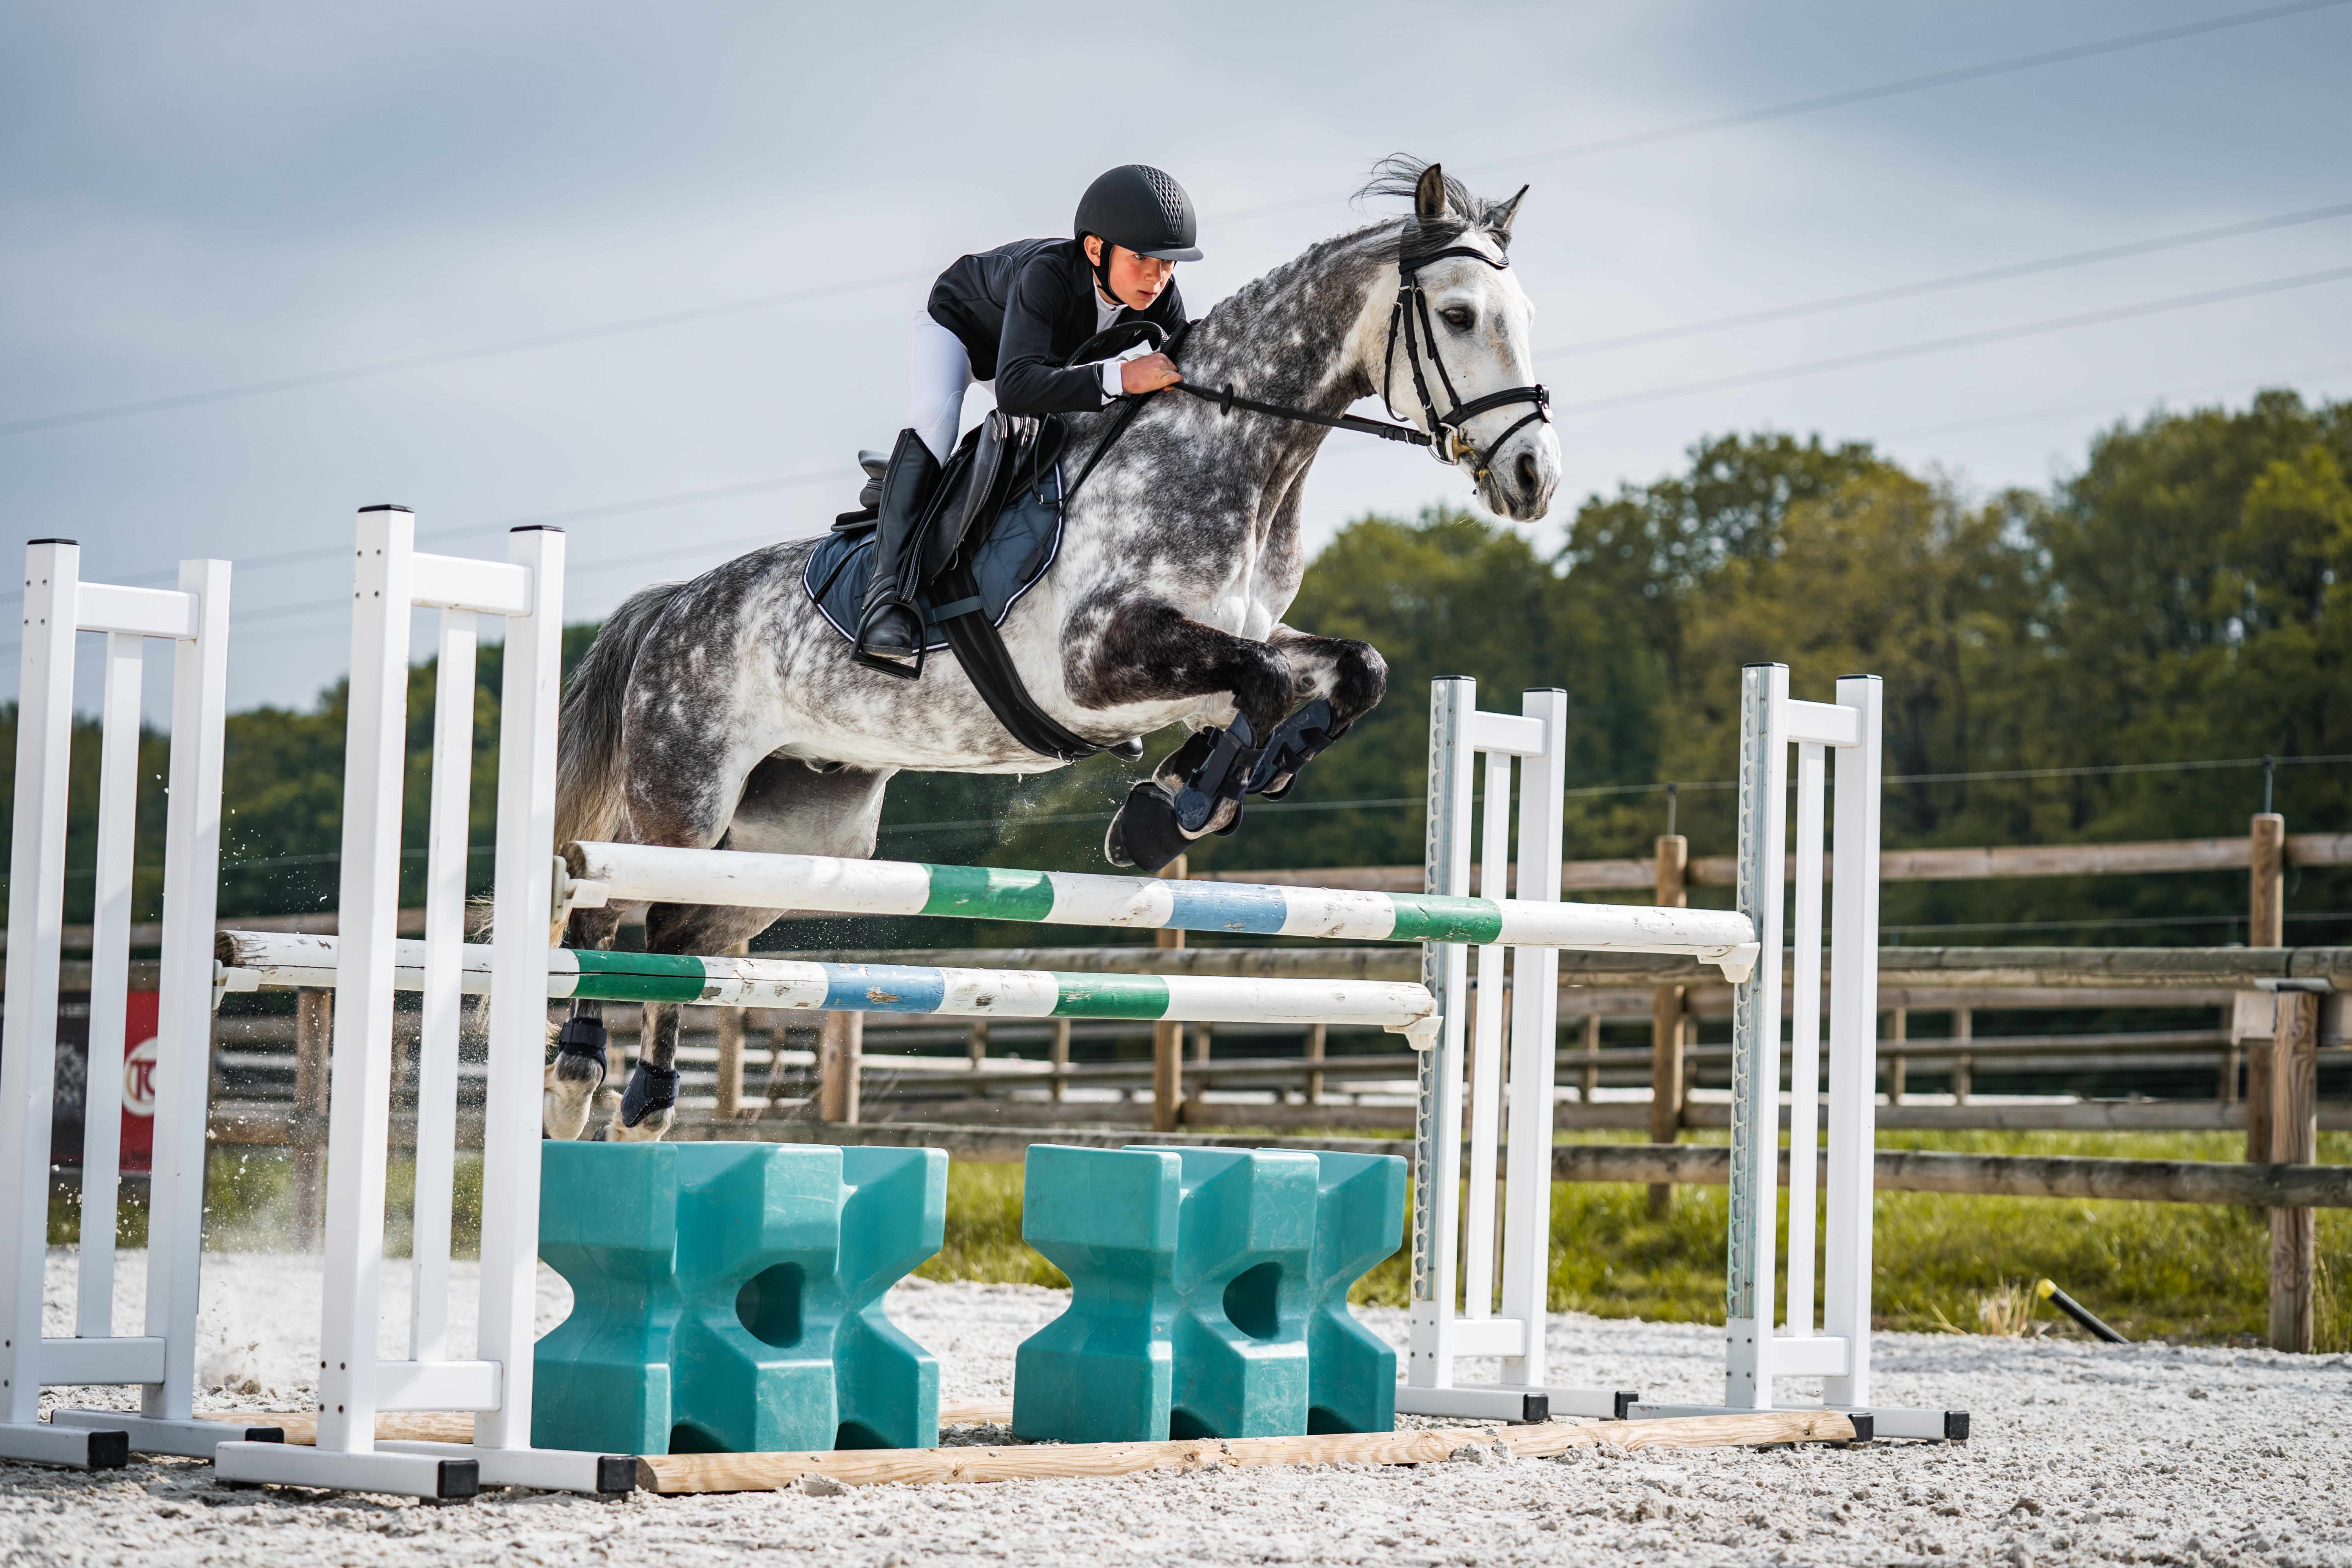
column 2294, row 1141
column 314, row 1032
column 730, row 1055
column 1590, row 1084
column 2266, row 926
column 1898, row 1065
column 1314, row 1033
column 1963, row 1065
column 1060, row 1053
column 1666, row 1093
column 840, row 1047
column 1168, row 1039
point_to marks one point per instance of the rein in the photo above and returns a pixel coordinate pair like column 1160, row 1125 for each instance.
column 1227, row 400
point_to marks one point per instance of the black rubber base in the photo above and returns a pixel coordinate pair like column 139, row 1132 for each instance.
column 109, row 1450
column 616, row 1473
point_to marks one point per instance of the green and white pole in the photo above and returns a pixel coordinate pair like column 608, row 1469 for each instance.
column 606, row 874
column 259, row 959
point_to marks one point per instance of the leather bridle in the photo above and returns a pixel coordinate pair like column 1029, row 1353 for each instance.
column 1448, row 440
column 1445, row 437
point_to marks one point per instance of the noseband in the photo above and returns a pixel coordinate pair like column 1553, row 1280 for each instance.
column 1448, row 441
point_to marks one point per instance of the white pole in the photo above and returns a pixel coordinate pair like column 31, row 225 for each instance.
column 1487, row 1062
column 523, row 874
column 183, row 1004
column 1805, row 1041
column 444, row 942
column 1853, row 1042
column 1756, row 1042
column 1437, row 1117
column 1535, row 1027
column 28, row 1029
column 110, row 982
column 374, row 758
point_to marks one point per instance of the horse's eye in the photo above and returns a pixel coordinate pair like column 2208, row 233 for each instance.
column 1458, row 318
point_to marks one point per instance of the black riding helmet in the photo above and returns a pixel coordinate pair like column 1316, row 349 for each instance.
column 1138, row 206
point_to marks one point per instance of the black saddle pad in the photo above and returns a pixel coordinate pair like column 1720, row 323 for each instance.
column 1016, row 551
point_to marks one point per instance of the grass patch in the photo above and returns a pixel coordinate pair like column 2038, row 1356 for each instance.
column 2174, row 1270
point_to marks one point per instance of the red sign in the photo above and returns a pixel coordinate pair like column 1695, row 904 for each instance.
column 138, row 1080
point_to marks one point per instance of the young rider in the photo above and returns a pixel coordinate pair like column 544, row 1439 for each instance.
column 1014, row 316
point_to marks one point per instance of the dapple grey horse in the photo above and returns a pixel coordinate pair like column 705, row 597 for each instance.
column 725, row 711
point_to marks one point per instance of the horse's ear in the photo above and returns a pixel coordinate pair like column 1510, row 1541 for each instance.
column 1498, row 219
column 1428, row 197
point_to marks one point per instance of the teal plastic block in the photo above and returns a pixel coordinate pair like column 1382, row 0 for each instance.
column 1203, row 1284
column 727, row 1298
column 1359, row 1222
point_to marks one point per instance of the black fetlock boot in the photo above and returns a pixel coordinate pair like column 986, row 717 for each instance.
column 579, row 1071
column 1164, row 813
column 889, row 628
column 651, row 1090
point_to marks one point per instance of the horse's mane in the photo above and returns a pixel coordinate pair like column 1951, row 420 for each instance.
column 1385, row 241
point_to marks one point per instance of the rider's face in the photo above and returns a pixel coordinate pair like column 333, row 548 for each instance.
column 1134, row 280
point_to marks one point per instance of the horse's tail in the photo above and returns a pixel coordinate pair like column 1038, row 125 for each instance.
column 587, row 774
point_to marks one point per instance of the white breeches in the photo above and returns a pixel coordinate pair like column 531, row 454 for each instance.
column 939, row 373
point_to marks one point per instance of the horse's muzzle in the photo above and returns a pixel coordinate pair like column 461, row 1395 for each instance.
column 1520, row 482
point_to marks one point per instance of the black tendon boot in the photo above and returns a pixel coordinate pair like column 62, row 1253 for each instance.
column 890, row 630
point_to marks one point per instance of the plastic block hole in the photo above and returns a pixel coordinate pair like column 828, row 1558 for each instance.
column 1253, row 1301
column 688, row 1439
column 857, row 1434
column 769, row 1305
column 1185, row 1426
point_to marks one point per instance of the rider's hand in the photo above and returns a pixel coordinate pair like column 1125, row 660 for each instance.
column 1149, row 373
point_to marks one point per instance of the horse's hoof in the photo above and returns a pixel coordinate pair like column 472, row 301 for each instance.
column 569, row 1092
column 647, row 1106
column 1145, row 832
column 652, row 1130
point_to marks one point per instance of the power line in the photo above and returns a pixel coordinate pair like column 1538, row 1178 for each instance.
column 1946, row 345
column 2106, row 404
column 1915, row 84
column 1941, row 285
column 1581, row 150
column 577, row 514
column 453, row 356
column 1834, row 100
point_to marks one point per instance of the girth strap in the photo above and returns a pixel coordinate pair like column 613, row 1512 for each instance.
column 980, row 647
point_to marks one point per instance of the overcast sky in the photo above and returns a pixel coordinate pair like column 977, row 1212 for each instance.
column 195, row 199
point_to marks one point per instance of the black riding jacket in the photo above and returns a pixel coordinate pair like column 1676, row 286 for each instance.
column 1022, row 310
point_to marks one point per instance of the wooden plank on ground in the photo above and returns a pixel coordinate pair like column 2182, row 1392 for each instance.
column 457, row 1426
column 677, row 1473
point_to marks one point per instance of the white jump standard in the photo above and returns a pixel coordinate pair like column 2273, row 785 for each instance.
column 194, row 619
column 495, row 1383
column 1838, row 1352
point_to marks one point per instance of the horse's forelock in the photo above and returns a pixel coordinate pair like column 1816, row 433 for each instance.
column 1398, row 176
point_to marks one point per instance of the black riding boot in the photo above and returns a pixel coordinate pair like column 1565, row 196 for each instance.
column 890, row 630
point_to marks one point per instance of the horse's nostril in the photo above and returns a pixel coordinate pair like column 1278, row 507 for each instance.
column 1530, row 476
